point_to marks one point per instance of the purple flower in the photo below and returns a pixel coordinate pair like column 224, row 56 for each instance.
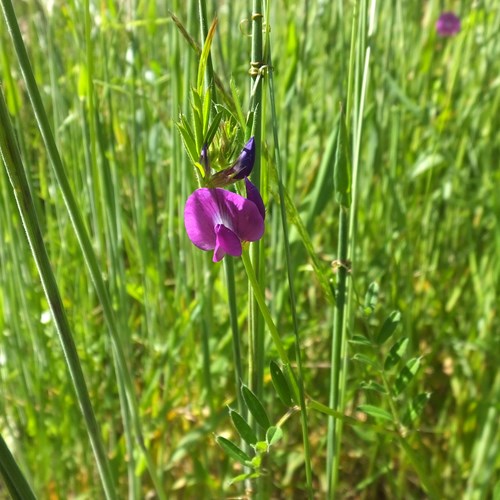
column 240, row 169
column 448, row 24
column 219, row 220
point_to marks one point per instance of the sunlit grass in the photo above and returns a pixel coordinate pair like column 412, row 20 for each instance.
column 426, row 226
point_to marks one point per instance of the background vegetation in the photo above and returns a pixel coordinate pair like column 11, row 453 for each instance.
column 423, row 131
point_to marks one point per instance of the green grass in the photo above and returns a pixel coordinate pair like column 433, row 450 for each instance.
column 156, row 325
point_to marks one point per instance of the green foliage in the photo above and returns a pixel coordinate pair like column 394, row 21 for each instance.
column 280, row 384
column 127, row 98
column 342, row 169
column 255, row 407
column 260, row 449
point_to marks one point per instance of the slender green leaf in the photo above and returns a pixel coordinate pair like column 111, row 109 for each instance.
column 205, row 55
column 233, row 451
column 363, row 358
column 375, row 412
column 255, row 407
column 280, row 384
column 188, row 140
column 209, row 136
column 396, row 353
column 16, row 172
column 241, row 425
column 319, row 268
column 342, row 169
column 14, row 479
column 388, row 328
column 360, row 340
column 415, row 408
column 406, row 375
column 373, row 386
column 206, row 111
column 197, row 115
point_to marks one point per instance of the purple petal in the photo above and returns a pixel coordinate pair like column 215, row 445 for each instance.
column 254, row 195
column 198, row 218
column 240, row 169
column 207, row 208
column 448, row 24
column 247, row 221
column 244, row 164
column 226, row 242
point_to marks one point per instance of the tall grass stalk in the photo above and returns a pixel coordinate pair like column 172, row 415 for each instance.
column 16, row 171
column 423, row 224
column 290, row 279
column 256, row 331
column 80, row 231
column 357, row 81
column 14, row 479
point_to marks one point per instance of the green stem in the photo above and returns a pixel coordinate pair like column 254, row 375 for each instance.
column 17, row 176
column 259, row 297
column 236, row 339
column 206, row 328
column 14, row 479
column 209, row 74
column 337, row 341
column 80, row 231
column 256, row 325
column 291, row 287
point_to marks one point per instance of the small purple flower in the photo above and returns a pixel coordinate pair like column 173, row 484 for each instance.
column 220, row 220
column 448, row 24
column 240, row 169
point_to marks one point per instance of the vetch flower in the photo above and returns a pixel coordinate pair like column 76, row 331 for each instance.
column 220, row 220
column 240, row 169
column 448, row 24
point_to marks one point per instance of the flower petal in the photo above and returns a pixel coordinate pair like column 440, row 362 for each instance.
column 207, row 208
column 199, row 213
column 448, row 24
column 246, row 219
column 254, row 195
column 226, row 242
column 244, row 164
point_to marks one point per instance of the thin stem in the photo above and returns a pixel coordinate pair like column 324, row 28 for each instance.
column 337, row 341
column 17, row 176
column 236, row 339
column 80, row 230
column 256, row 325
column 14, row 479
column 291, row 287
column 259, row 297
column 209, row 74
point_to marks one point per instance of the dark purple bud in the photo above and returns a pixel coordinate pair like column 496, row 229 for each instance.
column 240, row 169
column 204, row 161
column 244, row 164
